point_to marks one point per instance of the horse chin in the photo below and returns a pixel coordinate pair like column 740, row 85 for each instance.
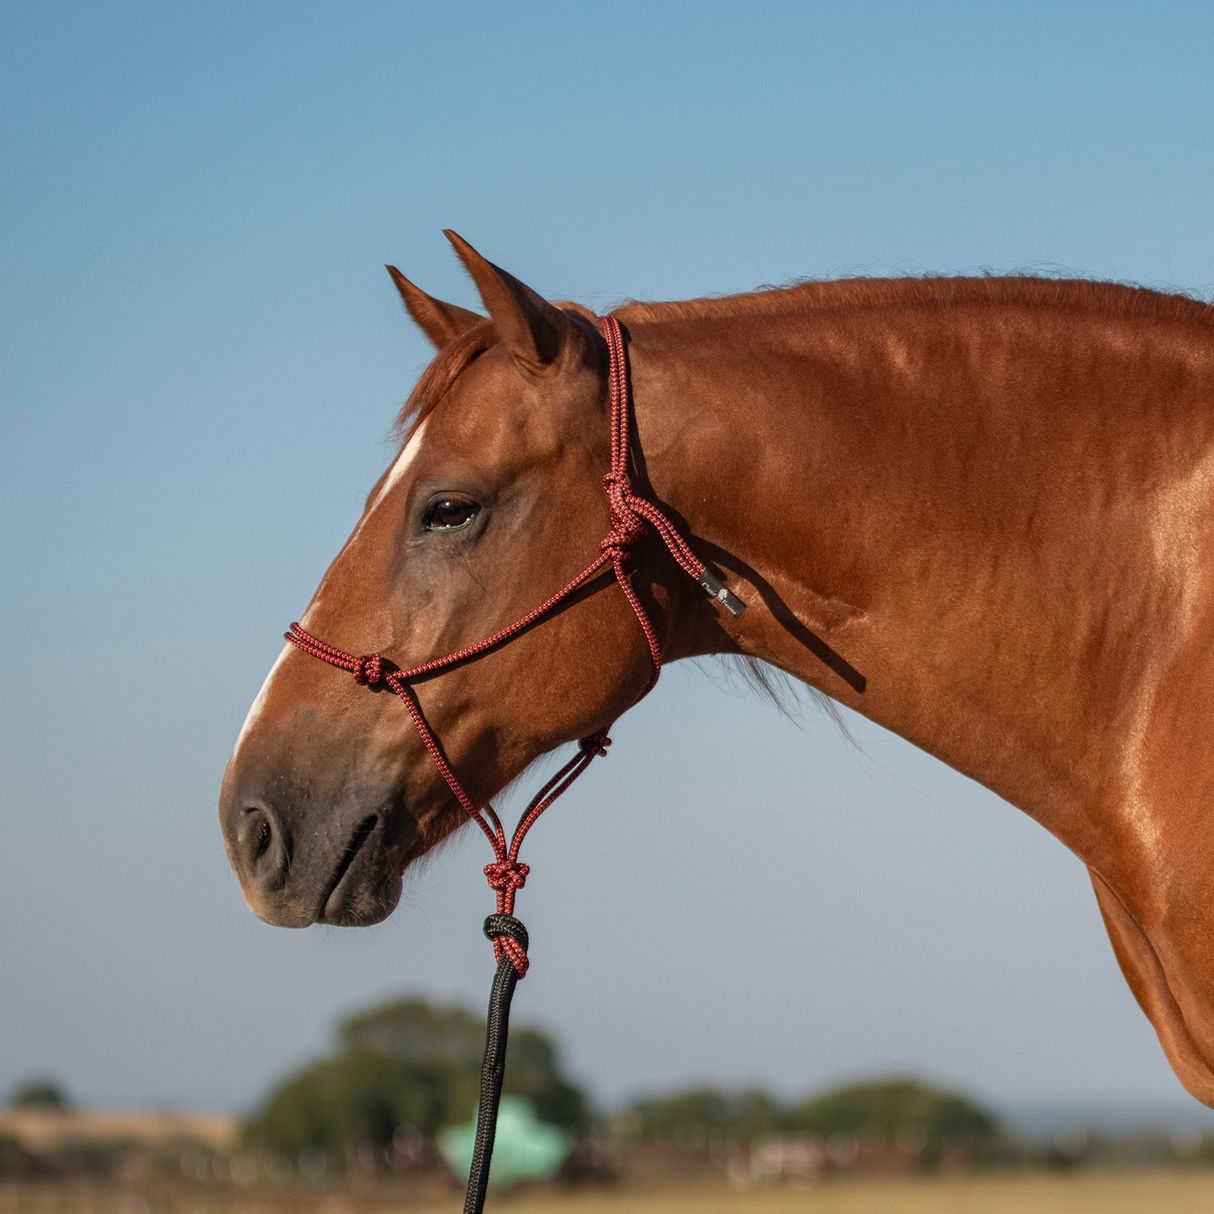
column 357, row 895
column 359, row 904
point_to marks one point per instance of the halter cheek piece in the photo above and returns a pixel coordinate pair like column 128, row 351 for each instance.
column 631, row 516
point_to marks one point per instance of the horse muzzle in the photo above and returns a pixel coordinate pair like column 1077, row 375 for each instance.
column 299, row 863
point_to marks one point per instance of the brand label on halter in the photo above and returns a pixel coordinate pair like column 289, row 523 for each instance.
column 729, row 601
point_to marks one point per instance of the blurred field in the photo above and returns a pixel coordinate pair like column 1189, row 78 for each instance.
column 1090, row 1192
column 1110, row 1193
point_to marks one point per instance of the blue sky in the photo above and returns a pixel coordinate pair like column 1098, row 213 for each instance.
column 202, row 356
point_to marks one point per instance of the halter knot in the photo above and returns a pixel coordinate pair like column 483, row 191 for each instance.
column 369, row 670
column 627, row 526
column 595, row 744
column 507, row 875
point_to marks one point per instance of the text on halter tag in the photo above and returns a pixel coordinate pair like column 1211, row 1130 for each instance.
column 726, row 598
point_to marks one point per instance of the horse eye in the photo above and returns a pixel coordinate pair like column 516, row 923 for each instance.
column 450, row 513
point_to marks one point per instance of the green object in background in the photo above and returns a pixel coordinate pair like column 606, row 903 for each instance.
column 525, row 1147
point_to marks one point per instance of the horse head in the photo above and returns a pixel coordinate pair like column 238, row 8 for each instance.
column 494, row 501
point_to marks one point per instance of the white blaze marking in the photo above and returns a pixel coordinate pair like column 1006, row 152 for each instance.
column 403, row 460
column 260, row 702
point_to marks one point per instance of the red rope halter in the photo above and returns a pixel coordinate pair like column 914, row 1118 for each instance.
column 630, row 517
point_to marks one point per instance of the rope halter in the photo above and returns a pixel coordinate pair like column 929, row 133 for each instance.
column 631, row 518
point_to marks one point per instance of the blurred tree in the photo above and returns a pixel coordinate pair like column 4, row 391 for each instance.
column 923, row 1120
column 405, row 1063
column 16, row 1163
column 452, row 1038
column 533, row 1071
column 39, row 1094
column 702, row 1116
column 414, row 1031
column 356, row 1097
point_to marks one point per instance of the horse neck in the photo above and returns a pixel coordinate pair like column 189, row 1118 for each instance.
column 923, row 532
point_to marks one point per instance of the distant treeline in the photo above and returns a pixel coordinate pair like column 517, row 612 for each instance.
column 922, row 1121
column 414, row 1067
column 399, row 1073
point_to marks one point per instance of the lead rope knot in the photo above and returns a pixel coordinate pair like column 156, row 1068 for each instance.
column 369, row 669
column 509, row 936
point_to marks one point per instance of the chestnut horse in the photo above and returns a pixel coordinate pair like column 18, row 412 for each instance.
column 978, row 511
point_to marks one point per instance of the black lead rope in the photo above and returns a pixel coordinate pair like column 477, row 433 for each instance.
column 493, row 1069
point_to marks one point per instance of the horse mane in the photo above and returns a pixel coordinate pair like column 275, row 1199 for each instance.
column 1123, row 300
column 942, row 291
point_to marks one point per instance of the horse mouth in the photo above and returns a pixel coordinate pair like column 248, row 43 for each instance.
column 361, row 891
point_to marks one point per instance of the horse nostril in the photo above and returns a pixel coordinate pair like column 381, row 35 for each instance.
column 258, row 844
column 262, row 842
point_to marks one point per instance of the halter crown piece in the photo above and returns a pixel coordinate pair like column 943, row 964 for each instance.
column 631, row 517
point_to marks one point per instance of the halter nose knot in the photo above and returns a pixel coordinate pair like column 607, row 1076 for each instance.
column 370, row 669
column 595, row 744
column 507, row 876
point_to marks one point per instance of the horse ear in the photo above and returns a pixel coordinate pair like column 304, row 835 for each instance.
column 440, row 322
column 535, row 331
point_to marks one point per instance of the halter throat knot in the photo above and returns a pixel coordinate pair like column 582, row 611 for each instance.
column 507, row 875
column 370, row 670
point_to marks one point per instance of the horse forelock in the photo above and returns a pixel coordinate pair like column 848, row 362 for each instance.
column 439, row 378
column 448, row 365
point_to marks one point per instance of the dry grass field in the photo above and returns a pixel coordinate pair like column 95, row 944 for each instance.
column 1090, row 1193
column 1087, row 1192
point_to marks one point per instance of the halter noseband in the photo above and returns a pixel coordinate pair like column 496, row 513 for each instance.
column 631, row 516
